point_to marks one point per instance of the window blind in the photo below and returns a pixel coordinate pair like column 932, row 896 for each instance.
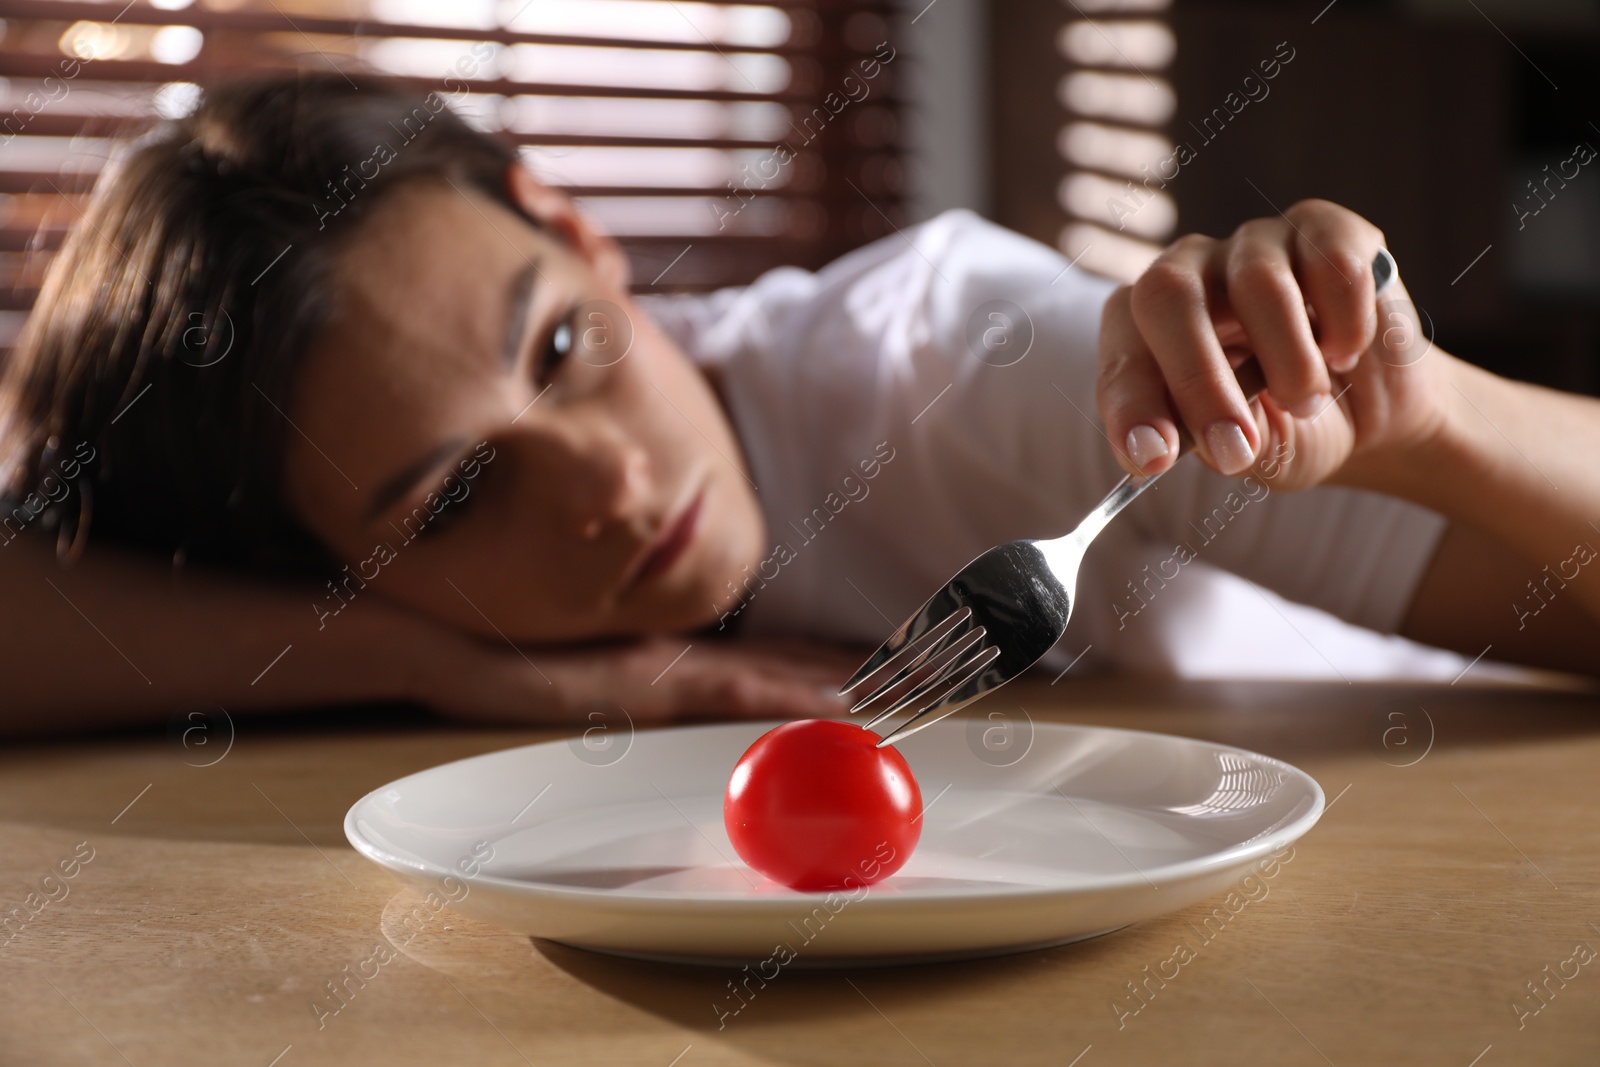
column 1118, row 158
column 715, row 140
column 1083, row 112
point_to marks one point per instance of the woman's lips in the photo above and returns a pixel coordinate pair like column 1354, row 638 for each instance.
column 672, row 543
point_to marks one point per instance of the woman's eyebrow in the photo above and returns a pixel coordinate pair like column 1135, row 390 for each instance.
column 403, row 480
column 520, row 299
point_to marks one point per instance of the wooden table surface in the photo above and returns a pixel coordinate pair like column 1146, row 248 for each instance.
column 206, row 907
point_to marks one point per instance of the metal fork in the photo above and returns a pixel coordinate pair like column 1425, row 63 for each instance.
column 1005, row 609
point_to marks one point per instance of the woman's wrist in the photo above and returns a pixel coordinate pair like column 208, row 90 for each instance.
column 1507, row 458
column 1443, row 467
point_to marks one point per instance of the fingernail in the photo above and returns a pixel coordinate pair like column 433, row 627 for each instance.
column 1308, row 407
column 1229, row 448
column 1146, row 445
column 1384, row 269
column 1343, row 362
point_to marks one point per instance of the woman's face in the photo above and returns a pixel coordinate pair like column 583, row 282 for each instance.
column 492, row 432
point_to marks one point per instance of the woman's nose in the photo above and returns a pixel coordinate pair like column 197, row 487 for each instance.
column 616, row 489
column 595, row 477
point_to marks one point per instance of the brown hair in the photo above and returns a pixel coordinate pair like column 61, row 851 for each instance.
column 169, row 326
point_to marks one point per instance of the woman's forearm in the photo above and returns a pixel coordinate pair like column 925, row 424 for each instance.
column 1517, row 463
column 118, row 638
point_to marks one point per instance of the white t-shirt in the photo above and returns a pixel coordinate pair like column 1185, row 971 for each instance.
column 886, row 455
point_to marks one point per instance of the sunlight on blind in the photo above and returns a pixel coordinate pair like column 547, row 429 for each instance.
column 1115, row 55
column 660, row 117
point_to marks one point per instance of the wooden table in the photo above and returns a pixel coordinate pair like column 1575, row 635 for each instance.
column 1406, row 929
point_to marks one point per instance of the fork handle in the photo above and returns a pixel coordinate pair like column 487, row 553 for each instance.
column 1251, row 380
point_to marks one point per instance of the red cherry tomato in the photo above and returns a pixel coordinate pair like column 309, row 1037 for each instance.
column 815, row 806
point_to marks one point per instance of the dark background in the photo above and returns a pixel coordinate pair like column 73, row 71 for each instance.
column 1429, row 125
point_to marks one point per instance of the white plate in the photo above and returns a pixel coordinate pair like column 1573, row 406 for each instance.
column 1053, row 834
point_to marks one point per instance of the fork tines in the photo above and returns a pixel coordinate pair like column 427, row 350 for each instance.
column 925, row 666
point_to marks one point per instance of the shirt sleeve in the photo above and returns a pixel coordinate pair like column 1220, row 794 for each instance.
column 1357, row 555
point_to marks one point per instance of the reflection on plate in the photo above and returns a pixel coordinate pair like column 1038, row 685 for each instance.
column 1090, row 830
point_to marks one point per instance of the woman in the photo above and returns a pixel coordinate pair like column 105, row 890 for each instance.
column 384, row 402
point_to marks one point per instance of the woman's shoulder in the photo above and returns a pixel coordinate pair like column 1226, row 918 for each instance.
column 951, row 252
column 909, row 281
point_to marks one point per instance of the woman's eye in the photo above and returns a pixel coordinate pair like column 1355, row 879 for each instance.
column 423, row 522
column 556, row 351
column 448, row 515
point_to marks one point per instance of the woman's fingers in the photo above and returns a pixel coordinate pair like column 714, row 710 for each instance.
column 1131, row 394
column 1333, row 253
column 654, row 679
column 1172, row 309
column 1296, row 291
column 828, row 661
column 1265, row 297
column 751, row 682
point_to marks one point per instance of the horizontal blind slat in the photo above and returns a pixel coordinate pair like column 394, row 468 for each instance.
column 50, row 124
column 204, row 19
column 49, row 238
column 816, row 211
column 23, row 65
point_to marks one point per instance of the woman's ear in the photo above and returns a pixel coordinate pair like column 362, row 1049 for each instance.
column 561, row 216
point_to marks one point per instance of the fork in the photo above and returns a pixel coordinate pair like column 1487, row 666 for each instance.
column 1003, row 611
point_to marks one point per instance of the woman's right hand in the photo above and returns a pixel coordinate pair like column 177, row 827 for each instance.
column 652, row 679
column 1354, row 389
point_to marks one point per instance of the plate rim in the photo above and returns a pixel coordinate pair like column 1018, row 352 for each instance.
column 784, row 901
